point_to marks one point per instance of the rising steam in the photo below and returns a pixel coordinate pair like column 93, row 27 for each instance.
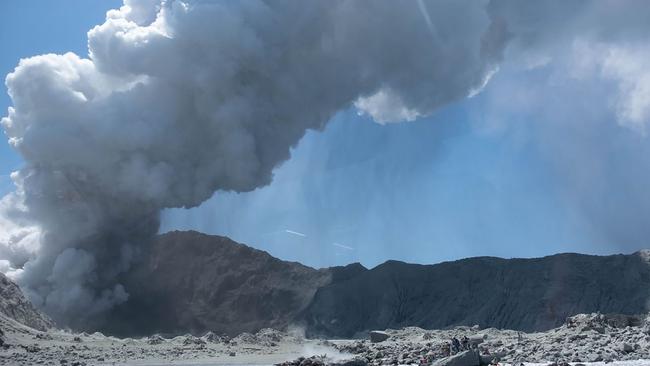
column 179, row 99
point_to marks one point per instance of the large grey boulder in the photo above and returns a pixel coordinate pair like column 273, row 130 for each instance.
column 357, row 361
column 378, row 336
column 476, row 340
column 487, row 359
column 626, row 347
column 465, row 358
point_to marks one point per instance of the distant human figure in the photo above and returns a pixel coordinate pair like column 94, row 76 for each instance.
column 465, row 343
column 455, row 345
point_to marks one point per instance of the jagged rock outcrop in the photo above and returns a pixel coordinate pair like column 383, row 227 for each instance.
column 14, row 305
column 192, row 282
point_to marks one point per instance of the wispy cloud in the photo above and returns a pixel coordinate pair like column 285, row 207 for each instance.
column 295, row 233
column 427, row 19
column 342, row 246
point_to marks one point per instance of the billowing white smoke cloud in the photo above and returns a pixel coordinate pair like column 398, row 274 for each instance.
column 627, row 67
column 180, row 99
column 574, row 87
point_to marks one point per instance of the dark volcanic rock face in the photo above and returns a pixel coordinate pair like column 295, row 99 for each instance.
column 15, row 306
column 523, row 294
column 195, row 283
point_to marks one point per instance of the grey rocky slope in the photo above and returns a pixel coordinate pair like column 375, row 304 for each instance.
column 14, row 305
column 523, row 294
column 193, row 282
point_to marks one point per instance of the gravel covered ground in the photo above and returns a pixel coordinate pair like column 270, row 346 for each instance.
column 592, row 338
column 584, row 338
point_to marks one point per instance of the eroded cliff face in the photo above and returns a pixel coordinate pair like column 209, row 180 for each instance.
column 523, row 294
column 14, row 305
column 192, row 282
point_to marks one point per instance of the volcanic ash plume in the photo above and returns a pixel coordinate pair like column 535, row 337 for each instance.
column 179, row 99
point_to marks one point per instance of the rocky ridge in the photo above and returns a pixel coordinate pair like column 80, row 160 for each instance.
column 192, row 282
column 522, row 294
column 14, row 305
column 195, row 283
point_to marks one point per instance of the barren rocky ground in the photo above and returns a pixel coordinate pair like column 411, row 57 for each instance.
column 591, row 338
column 28, row 337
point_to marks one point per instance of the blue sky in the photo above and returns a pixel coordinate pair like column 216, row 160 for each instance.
column 425, row 191
column 475, row 178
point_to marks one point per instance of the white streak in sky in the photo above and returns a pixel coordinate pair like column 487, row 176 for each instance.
column 427, row 18
column 342, row 246
column 295, row 233
column 476, row 91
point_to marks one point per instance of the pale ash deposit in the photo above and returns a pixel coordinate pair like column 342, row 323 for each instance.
column 594, row 338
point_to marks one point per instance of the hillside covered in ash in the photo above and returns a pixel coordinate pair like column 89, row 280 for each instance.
column 192, row 282
column 14, row 305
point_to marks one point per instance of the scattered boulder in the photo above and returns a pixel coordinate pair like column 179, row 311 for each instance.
column 245, row 338
column 623, row 320
column 323, row 360
column 31, row 348
column 476, row 340
column 377, row 336
column 155, row 339
column 490, row 358
column 269, row 335
column 357, row 361
column 465, row 358
column 190, row 340
column 215, row 338
column 43, row 335
column 603, row 322
column 626, row 347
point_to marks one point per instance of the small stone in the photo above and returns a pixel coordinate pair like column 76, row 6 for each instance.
column 626, row 347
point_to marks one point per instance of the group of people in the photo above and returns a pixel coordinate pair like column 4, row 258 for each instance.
column 459, row 345
column 456, row 346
